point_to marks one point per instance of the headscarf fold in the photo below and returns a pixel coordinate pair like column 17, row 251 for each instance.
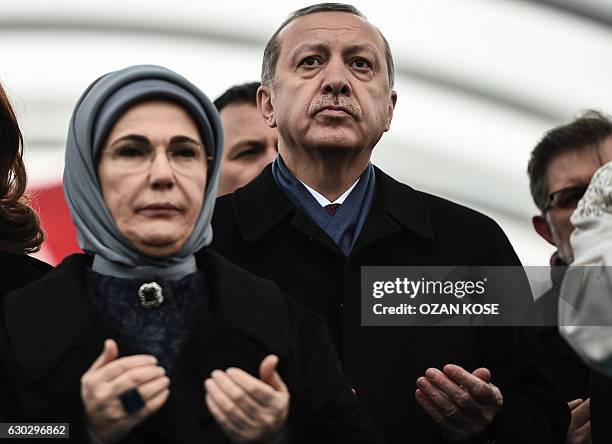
column 94, row 116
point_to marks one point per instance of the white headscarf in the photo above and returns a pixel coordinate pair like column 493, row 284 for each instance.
column 585, row 305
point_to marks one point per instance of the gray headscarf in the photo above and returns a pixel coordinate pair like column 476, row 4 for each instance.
column 94, row 116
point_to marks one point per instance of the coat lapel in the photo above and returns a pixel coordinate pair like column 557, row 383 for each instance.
column 396, row 207
column 260, row 206
column 313, row 231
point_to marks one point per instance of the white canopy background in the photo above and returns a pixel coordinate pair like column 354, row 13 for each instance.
column 479, row 81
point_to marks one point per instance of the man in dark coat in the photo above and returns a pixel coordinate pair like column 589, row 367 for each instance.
column 560, row 170
column 322, row 211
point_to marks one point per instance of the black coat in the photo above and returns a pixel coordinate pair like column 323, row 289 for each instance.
column 601, row 408
column 17, row 271
column 259, row 228
column 55, row 333
column 567, row 370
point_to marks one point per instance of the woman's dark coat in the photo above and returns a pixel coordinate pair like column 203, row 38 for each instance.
column 54, row 334
column 17, row 271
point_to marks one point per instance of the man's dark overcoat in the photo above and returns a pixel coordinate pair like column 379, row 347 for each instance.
column 260, row 229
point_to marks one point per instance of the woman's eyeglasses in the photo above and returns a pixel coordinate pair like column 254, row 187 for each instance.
column 565, row 198
column 134, row 153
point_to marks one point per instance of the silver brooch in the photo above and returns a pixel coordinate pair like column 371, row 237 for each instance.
column 150, row 295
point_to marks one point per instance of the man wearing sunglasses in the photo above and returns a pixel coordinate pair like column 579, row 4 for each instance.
column 560, row 170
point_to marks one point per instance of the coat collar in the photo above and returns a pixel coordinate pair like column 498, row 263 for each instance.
column 261, row 205
column 53, row 316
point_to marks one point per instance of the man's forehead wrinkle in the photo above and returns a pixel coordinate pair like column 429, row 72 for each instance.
column 353, row 45
column 350, row 28
column 302, row 22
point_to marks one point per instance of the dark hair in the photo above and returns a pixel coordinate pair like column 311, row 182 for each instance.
column 20, row 230
column 586, row 131
column 272, row 50
column 245, row 93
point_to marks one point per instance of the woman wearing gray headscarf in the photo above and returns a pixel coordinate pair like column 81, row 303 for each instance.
column 190, row 343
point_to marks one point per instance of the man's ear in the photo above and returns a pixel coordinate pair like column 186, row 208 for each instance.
column 542, row 228
column 390, row 108
column 264, row 105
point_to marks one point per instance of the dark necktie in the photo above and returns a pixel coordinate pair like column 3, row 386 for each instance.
column 332, row 208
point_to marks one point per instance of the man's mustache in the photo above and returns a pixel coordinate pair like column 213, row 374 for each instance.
column 331, row 100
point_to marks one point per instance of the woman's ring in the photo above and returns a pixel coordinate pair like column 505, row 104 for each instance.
column 132, row 401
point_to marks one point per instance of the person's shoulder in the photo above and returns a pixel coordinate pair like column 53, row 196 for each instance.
column 477, row 230
column 481, row 236
column 16, row 260
column 457, row 213
column 19, row 270
column 54, row 278
column 440, row 210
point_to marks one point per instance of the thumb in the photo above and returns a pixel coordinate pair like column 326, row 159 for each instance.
column 269, row 375
column 110, row 352
column 483, row 373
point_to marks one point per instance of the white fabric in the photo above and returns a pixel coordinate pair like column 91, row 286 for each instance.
column 323, row 200
column 585, row 305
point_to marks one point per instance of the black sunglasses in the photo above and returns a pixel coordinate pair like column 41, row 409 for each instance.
column 565, row 198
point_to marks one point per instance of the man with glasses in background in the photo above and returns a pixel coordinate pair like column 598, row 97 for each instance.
column 560, row 170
